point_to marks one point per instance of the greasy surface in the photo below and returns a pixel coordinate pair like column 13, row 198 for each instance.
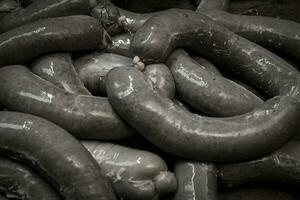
column 196, row 180
column 275, row 34
column 108, row 14
column 256, row 194
column 17, row 180
column 43, row 9
column 92, row 69
column 213, row 5
column 203, row 138
column 206, row 64
column 57, row 155
column 83, row 116
column 161, row 78
column 175, row 28
column 203, row 90
column 135, row 174
column 58, row 69
column 120, row 44
column 281, row 166
column 72, row 33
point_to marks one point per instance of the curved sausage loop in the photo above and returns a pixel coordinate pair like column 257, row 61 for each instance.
column 285, row 165
column 57, row 155
column 174, row 28
column 85, row 117
column 201, row 138
column 196, row 180
column 43, row 9
column 58, row 69
column 20, row 182
column 203, row 90
column 135, row 174
column 73, row 33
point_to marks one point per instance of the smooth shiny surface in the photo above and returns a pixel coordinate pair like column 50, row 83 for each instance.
column 281, row 166
column 120, row 44
column 206, row 64
column 73, row 33
column 92, row 69
column 56, row 155
column 135, row 174
column 43, row 9
column 84, row 116
column 203, row 90
column 272, row 33
column 162, row 33
column 196, row 180
column 21, row 182
column 202, row 138
column 161, row 79
column 58, row 69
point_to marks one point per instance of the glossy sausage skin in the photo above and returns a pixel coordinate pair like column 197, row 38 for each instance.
column 162, row 33
column 161, row 79
column 43, row 9
column 58, row 69
column 135, row 174
column 175, row 130
column 284, row 164
column 57, row 155
column 196, row 180
column 72, row 33
column 17, row 180
column 272, row 33
column 206, row 64
column 92, row 69
column 205, row 5
column 84, row 116
column 120, row 44
column 203, row 90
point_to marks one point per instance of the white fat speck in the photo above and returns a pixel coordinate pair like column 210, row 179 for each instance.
column 136, row 59
column 128, row 90
column 27, row 125
column 122, row 20
column 139, row 160
column 140, row 66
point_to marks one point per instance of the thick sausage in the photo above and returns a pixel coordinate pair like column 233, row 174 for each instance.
column 161, row 34
column 206, row 64
column 84, row 116
column 202, row 138
column 57, row 155
column 92, row 69
column 21, row 182
column 73, row 33
column 281, row 166
column 196, row 180
column 58, row 69
column 135, row 174
column 203, row 90
column 161, row 79
column 43, row 9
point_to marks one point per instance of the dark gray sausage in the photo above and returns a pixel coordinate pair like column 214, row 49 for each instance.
column 161, row 78
column 92, row 69
column 58, row 69
column 108, row 14
column 7, row 6
column 21, row 182
column 120, row 44
column 275, row 34
column 135, row 174
column 162, row 33
column 203, row 90
column 72, row 33
column 196, row 180
column 57, row 155
column 206, row 64
column 281, row 166
column 84, row 116
column 257, row 194
column 3, row 198
column 201, row 138
column 213, row 5
column 43, row 9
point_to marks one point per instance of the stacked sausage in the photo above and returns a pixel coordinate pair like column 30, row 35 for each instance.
column 99, row 102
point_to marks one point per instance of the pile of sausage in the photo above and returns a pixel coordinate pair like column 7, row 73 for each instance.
column 102, row 103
